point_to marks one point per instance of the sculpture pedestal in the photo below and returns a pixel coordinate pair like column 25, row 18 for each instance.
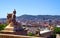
column 13, row 30
column 8, row 28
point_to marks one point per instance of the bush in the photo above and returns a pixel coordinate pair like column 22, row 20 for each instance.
column 2, row 26
column 30, row 34
column 57, row 30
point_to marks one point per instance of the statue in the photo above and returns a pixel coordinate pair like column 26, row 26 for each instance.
column 13, row 26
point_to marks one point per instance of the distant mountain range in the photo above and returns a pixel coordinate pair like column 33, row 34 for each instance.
column 35, row 17
column 38, row 17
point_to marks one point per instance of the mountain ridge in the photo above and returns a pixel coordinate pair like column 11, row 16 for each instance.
column 35, row 17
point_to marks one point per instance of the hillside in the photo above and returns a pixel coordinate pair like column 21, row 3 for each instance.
column 35, row 17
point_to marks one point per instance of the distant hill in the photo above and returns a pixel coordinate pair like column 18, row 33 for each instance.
column 38, row 17
column 3, row 20
column 35, row 17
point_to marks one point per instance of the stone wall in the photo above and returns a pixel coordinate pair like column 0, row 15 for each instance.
column 47, row 34
column 16, row 33
column 11, row 36
column 16, row 36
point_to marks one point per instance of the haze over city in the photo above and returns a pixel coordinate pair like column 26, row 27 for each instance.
column 30, row 7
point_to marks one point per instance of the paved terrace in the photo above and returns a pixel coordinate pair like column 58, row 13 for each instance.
column 16, row 36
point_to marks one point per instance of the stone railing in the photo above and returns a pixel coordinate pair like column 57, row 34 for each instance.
column 16, row 36
column 12, row 36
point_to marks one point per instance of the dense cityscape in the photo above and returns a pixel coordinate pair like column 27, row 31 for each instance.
column 29, row 18
column 29, row 27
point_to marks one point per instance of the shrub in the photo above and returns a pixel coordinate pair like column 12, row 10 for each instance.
column 57, row 30
column 30, row 34
column 2, row 26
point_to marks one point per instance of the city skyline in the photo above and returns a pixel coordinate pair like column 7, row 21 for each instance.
column 30, row 7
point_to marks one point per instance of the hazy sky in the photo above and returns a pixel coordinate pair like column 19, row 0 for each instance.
column 31, row 7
